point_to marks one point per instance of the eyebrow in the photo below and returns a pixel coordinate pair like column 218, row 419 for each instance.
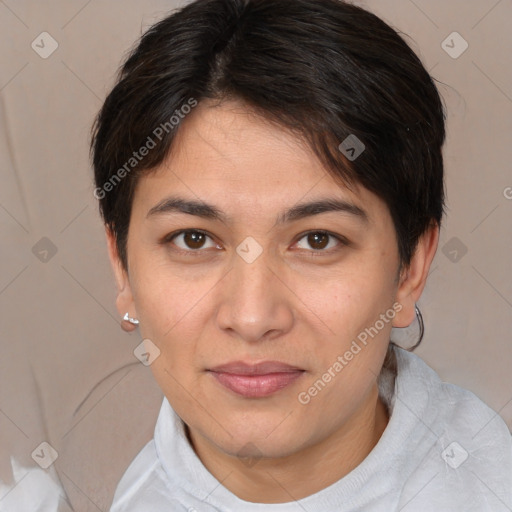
column 297, row 212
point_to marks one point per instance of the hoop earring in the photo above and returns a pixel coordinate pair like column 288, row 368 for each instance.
column 421, row 325
column 133, row 321
column 419, row 316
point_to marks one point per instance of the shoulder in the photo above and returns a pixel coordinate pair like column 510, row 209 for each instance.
column 446, row 408
column 467, row 461
column 144, row 486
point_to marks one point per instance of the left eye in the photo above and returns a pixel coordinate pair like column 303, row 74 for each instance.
column 319, row 241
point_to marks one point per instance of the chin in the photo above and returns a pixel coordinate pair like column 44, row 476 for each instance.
column 255, row 443
column 255, row 449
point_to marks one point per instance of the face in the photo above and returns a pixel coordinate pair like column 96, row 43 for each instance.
column 242, row 249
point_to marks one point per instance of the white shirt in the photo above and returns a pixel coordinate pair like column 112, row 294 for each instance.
column 442, row 450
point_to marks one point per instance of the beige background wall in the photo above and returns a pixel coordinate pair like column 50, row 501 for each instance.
column 68, row 375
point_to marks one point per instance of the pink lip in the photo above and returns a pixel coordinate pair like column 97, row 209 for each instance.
column 256, row 380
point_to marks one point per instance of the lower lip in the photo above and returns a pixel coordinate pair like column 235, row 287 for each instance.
column 256, row 386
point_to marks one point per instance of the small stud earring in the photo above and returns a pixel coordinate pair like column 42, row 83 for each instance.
column 133, row 321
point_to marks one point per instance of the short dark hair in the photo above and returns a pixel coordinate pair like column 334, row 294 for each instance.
column 324, row 69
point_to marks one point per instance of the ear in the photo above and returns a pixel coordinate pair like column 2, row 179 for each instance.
column 413, row 278
column 124, row 300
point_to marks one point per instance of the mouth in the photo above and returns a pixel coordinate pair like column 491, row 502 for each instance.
column 256, row 380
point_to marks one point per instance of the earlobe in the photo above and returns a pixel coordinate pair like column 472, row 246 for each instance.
column 414, row 277
column 124, row 300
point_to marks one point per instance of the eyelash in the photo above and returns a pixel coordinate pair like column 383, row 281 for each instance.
column 343, row 242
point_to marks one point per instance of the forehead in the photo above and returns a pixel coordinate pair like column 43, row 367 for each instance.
column 228, row 155
column 236, row 142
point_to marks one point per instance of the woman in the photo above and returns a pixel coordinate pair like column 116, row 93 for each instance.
column 270, row 176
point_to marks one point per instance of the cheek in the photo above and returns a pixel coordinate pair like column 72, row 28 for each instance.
column 346, row 302
column 169, row 311
column 166, row 302
column 355, row 338
column 349, row 357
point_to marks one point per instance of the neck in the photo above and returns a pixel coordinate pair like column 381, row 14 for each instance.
column 301, row 474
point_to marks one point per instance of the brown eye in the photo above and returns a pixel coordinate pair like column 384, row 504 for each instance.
column 192, row 240
column 319, row 241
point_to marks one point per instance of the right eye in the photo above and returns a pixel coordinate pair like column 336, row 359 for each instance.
column 190, row 240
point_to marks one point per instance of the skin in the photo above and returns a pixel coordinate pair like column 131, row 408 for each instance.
column 302, row 302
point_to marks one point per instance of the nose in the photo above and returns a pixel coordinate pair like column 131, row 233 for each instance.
column 255, row 304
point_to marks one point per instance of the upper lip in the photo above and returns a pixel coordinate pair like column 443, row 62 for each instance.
column 263, row 368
